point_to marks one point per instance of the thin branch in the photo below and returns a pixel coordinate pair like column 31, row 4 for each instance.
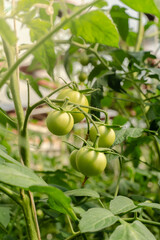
column 140, row 33
column 14, row 196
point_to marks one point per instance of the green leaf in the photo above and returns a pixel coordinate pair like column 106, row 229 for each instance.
column 139, row 57
column 101, row 4
column 119, row 120
column 120, row 18
column 6, row 33
column 150, row 6
column 154, row 113
column 9, row 159
column 134, row 231
column 124, row 134
column 121, row 204
column 33, row 83
column 83, row 192
column 4, row 216
column 131, row 38
column 96, row 97
column 98, row 71
column 114, row 82
column 96, row 219
column 57, row 199
column 154, row 72
column 151, row 205
column 79, row 210
column 25, row 5
column 19, row 176
column 45, row 53
column 118, row 56
column 4, row 118
column 95, row 27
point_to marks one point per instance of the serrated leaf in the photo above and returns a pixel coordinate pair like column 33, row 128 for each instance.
column 124, row 134
column 4, row 216
column 95, row 27
column 96, row 219
column 151, row 205
column 121, row 204
column 19, row 176
column 57, row 199
column 150, row 6
column 134, row 231
column 83, row 192
column 6, row 33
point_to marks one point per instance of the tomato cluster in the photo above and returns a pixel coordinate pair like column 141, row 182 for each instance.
column 90, row 161
column 60, row 122
column 87, row 160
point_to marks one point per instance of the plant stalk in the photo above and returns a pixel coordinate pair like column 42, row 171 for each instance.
column 140, row 33
column 119, row 177
column 23, row 148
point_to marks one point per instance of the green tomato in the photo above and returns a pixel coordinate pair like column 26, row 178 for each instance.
column 107, row 136
column 72, row 159
column 40, row 213
column 59, row 122
column 75, row 97
column 90, row 162
column 84, row 59
column 82, row 76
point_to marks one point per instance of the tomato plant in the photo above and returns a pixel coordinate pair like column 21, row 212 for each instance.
column 59, row 122
column 46, row 47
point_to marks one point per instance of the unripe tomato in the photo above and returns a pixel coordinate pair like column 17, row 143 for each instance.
column 82, row 76
column 40, row 213
column 75, row 97
column 84, row 59
column 90, row 162
column 107, row 136
column 72, row 159
column 59, row 122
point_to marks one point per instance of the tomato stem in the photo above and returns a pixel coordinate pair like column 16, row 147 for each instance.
column 119, row 177
column 84, row 181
